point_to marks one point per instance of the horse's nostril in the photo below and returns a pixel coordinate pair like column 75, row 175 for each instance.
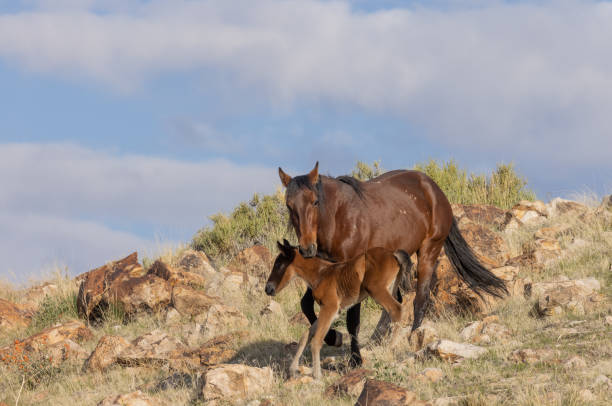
column 270, row 289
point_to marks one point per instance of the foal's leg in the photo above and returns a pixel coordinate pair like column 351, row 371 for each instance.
column 428, row 258
column 326, row 316
column 303, row 342
column 333, row 337
column 352, row 325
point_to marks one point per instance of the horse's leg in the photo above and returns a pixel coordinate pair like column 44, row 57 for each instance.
column 333, row 337
column 352, row 324
column 306, row 337
column 326, row 316
column 428, row 258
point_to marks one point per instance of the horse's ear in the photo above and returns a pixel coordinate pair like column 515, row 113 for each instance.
column 285, row 179
column 287, row 243
column 280, row 246
column 313, row 176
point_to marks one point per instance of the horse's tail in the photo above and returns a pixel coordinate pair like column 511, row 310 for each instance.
column 467, row 266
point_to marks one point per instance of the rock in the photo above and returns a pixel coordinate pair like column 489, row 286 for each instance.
column 530, row 356
column 530, row 212
column 575, row 363
column 454, row 352
column 106, row 352
column 13, row 315
column 431, row 374
column 178, row 380
column 552, row 232
column 256, row 261
column 547, row 244
column 559, row 206
column 556, row 296
column 172, row 316
column 124, row 282
column 220, row 349
column 608, row 320
column 422, row 336
column 379, row 393
column 350, row 384
column 497, row 331
column 136, row 398
column 188, row 301
column 58, row 342
column 471, row 330
column 220, row 317
column 483, row 214
column 175, row 277
column 273, row 308
column 195, row 262
column 235, row 382
column 154, row 348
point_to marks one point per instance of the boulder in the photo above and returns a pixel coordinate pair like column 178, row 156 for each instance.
column 136, row 398
column 59, row 341
column 273, row 308
column 350, row 384
column 490, row 216
column 195, row 262
column 232, row 383
column 220, row 318
column 188, row 301
column 106, row 352
column 219, row 349
column 454, row 352
column 175, row 277
column 13, row 315
column 555, row 297
column 530, row 212
column 423, row 336
column 559, row 206
column 123, row 282
column 380, row 393
column 154, row 348
column 256, row 261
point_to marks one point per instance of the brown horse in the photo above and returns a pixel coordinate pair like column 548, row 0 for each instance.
column 336, row 286
column 341, row 218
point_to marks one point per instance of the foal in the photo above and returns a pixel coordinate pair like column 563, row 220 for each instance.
column 336, row 286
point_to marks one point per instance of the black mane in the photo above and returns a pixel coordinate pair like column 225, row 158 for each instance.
column 356, row 184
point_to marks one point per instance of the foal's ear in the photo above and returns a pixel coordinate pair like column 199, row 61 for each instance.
column 280, row 246
column 287, row 243
column 313, row 176
column 285, row 179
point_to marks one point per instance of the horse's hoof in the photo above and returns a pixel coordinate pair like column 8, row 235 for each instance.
column 333, row 338
column 355, row 361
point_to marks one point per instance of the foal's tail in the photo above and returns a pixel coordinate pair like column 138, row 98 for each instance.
column 467, row 266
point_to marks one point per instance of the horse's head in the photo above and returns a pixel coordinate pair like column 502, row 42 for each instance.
column 302, row 199
column 282, row 271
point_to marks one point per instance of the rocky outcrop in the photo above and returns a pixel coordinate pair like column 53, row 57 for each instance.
column 189, row 301
column 452, row 351
column 106, row 352
column 220, row 349
column 13, row 315
column 557, row 297
column 380, row 393
column 235, row 382
column 154, row 348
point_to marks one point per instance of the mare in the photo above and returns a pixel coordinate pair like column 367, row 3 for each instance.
column 341, row 218
column 336, row 286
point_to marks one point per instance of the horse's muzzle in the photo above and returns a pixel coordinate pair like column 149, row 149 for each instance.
column 309, row 252
column 270, row 289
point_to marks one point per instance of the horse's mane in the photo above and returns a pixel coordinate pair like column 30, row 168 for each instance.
column 355, row 184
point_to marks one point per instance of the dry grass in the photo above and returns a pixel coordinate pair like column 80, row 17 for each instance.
column 491, row 379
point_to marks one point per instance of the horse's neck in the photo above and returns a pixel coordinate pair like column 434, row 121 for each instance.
column 337, row 196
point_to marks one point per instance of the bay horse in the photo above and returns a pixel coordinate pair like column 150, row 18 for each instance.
column 341, row 218
column 336, row 286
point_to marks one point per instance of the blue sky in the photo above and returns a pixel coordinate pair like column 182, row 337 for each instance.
column 124, row 124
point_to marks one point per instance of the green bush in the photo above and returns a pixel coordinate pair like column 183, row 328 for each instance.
column 264, row 220
column 54, row 309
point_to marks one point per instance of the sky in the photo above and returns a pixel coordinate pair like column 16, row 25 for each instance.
column 125, row 124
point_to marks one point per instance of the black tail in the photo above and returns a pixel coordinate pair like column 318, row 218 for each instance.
column 478, row 278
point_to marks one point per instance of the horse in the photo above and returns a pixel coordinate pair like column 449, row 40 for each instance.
column 340, row 218
column 336, row 286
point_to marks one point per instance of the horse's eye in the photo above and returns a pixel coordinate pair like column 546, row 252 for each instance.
column 316, row 203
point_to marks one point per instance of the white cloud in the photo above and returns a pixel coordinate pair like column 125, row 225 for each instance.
column 532, row 79
column 59, row 202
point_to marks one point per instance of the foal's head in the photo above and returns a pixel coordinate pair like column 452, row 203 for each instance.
column 302, row 199
column 282, row 273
